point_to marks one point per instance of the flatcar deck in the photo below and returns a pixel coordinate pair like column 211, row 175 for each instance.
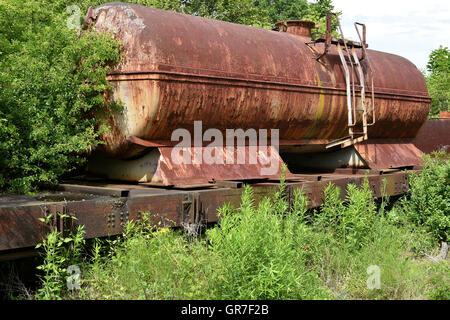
column 103, row 208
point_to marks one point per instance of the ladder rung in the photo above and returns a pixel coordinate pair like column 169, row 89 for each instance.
column 353, row 141
column 337, row 142
column 346, row 141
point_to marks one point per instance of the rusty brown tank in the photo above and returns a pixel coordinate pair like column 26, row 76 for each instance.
column 178, row 69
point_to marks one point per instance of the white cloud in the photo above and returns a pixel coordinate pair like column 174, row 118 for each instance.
column 409, row 28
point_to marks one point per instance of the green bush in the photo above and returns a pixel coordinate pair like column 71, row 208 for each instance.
column 264, row 254
column 429, row 202
column 349, row 221
column 59, row 252
column 51, row 80
column 357, row 236
column 255, row 253
column 149, row 263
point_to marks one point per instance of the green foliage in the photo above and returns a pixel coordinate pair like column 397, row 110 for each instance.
column 356, row 236
column 263, row 254
column 253, row 253
column 438, row 80
column 279, row 10
column 358, row 217
column 439, row 278
column 349, row 221
column 59, row 252
column 247, row 12
column 150, row 263
column 51, row 82
column 327, row 219
column 429, row 202
column 276, row 250
column 266, row 250
column 403, row 275
column 439, row 61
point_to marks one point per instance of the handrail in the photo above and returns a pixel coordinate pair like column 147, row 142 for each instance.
column 366, row 56
column 347, row 84
column 363, row 93
column 353, row 70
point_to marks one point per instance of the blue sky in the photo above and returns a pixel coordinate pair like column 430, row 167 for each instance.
column 409, row 28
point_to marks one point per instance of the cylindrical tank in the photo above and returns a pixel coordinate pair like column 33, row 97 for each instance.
column 179, row 68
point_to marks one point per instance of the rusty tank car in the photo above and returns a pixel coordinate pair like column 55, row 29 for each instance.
column 335, row 102
column 340, row 108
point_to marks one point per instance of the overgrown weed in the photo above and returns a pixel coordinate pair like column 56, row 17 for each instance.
column 276, row 250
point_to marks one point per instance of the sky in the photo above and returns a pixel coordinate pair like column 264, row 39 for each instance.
column 409, row 28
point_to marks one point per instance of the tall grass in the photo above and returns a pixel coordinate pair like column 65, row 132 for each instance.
column 263, row 252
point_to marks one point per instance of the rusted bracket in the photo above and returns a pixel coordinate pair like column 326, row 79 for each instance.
column 328, row 40
column 90, row 17
column 104, row 191
column 192, row 208
column 283, row 26
column 58, row 221
column 371, row 72
column 363, row 40
column 193, row 215
column 327, row 36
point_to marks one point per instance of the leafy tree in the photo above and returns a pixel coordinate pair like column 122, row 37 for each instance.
column 259, row 13
column 438, row 80
column 439, row 61
column 51, row 80
column 285, row 9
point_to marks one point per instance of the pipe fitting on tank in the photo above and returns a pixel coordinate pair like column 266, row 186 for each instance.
column 296, row 27
column 90, row 17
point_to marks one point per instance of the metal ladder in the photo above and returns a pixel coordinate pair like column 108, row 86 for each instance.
column 364, row 105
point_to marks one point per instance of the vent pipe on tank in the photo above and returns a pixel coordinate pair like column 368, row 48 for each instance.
column 297, row 27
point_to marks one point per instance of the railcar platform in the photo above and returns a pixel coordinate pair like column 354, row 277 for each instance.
column 104, row 207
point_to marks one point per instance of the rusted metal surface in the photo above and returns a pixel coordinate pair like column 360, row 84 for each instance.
column 164, row 166
column 204, row 172
column 103, row 216
column 434, row 136
column 104, row 191
column 296, row 27
column 389, row 154
column 20, row 226
column 444, row 114
column 180, row 68
column 342, row 158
